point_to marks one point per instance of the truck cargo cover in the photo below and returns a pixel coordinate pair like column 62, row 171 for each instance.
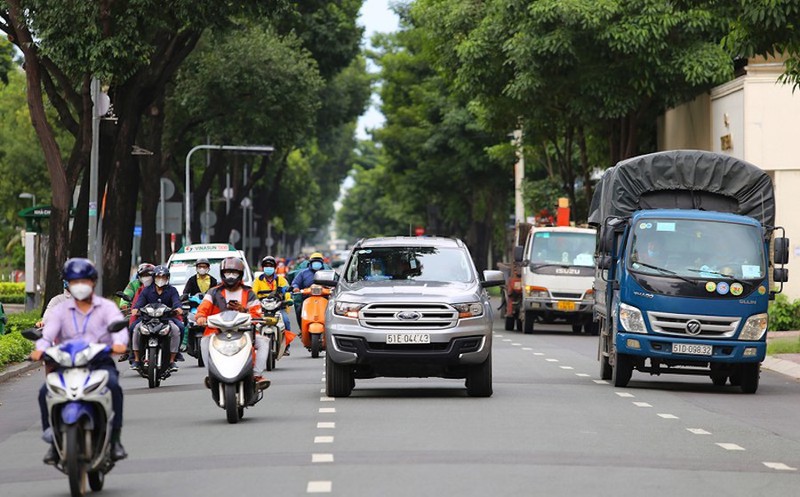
column 684, row 179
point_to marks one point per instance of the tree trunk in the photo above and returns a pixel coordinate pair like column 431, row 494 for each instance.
column 153, row 169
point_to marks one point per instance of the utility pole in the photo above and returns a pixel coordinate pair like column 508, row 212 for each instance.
column 93, row 249
column 519, row 176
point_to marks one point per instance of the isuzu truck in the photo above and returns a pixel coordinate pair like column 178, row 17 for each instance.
column 687, row 262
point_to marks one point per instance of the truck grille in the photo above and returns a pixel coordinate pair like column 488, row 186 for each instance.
column 675, row 324
column 566, row 295
column 431, row 316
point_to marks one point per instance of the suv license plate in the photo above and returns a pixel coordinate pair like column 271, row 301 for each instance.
column 404, row 338
column 691, row 349
column 565, row 305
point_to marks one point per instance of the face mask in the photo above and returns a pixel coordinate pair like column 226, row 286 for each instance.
column 230, row 278
column 269, row 271
column 146, row 280
column 316, row 266
column 81, row 291
column 202, row 271
column 161, row 282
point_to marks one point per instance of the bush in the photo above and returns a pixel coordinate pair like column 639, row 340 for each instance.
column 12, row 293
column 14, row 348
column 783, row 314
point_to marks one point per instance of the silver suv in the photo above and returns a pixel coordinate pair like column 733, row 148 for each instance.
column 409, row 307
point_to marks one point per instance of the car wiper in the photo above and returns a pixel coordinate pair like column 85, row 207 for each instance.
column 665, row 271
column 710, row 271
column 539, row 266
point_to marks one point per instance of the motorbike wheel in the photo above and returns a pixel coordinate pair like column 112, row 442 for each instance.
column 316, row 345
column 200, row 363
column 96, row 480
column 76, row 470
column 270, row 360
column 153, row 379
column 231, row 408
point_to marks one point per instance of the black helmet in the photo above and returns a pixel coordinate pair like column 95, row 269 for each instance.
column 145, row 269
column 202, row 260
column 231, row 265
column 269, row 261
column 161, row 271
column 78, row 268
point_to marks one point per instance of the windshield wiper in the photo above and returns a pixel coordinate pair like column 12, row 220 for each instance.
column 710, row 271
column 539, row 266
column 665, row 271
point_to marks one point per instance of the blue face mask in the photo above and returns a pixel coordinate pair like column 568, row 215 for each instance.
column 316, row 266
column 269, row 271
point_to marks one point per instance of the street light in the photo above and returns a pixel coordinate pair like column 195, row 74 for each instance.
column 30, row 196
column 245, row 149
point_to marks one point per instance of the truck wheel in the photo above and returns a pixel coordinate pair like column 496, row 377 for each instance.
column 479, row 379
column 510, row 322
column 605, row 368
column 576, row 328
column 622, row 371
column 735, row 378
column 527, row 323
column 591, row 328
column 338, row 379
column 750, row 376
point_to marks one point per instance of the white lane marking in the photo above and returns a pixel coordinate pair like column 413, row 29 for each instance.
column 498, row 336
column 327, row 399
column 538, row 353
column 624, row 394
column 327, row 410
column 551, row 360
column 506, row 339
column 583, row 375
column 698, row 431
column 779, row 466
column 319, row 487
column 526, row 348
column 601, row 382
column 326, row 424
column 668, row 416
column 729, row 446
column 321, row 457
column 327, row 439
column 516, row 344
column 566, row 367
column 642, row 404
column 323, row 379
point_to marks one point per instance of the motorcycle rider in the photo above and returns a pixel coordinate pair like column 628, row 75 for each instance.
column 233, row 295
column 159, row 293
column 305, row 279
column 201, row 282
column 85, row 316
column 144, row 278
column 269, row 282
column 61, row 297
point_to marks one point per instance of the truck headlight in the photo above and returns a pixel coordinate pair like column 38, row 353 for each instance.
column 347, row 309
column 471, row 310
column 537, row 292
column 755, row 327
column 631, row 319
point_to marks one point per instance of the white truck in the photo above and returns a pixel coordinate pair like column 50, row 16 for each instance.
column 557, row 277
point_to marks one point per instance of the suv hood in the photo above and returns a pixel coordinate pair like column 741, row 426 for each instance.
column 445, row 292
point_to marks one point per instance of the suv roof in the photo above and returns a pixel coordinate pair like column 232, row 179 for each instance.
column 409, row 241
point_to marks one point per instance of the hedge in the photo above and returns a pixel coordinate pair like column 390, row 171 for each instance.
column 13, row 347
column 784, row 314
column 12, row 293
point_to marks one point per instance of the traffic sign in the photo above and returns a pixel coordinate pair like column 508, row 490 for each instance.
column 208, row 218
column 419, row 231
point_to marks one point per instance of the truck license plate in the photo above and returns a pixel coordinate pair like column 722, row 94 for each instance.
column 404, row 338
column 565, row 305
column 691, row 349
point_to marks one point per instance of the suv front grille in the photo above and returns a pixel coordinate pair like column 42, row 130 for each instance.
column 431, row 316
column 710, row 326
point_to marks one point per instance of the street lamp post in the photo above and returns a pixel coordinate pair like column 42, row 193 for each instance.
column 30, row 196
column 246, row 149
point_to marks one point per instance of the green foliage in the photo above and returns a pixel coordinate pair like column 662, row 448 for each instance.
column 13, row 348
column 784, row 314
column 12, row 293
column 542, row 194
column 783, row 346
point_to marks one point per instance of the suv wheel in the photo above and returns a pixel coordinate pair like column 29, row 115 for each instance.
column 338, row 379
column 479, row 379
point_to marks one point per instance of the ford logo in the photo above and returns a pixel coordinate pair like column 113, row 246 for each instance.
column 408, row 315
column 694, row 327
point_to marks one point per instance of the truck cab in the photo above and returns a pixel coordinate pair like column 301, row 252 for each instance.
column 557, row 276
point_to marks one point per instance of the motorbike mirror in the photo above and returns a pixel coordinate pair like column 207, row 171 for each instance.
column 326, row 278
column 117, row 326
column 32, row 334
column 123, row 296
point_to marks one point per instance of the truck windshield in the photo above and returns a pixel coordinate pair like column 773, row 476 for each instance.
column 410, row 263
column 561, row 248
column 697, row 249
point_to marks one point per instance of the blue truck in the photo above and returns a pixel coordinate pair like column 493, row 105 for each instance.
column 687, row 262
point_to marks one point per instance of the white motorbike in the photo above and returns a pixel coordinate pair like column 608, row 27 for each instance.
column 230, row 363
column 274, row 327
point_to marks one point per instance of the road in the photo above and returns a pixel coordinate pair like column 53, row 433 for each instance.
column 551, row 428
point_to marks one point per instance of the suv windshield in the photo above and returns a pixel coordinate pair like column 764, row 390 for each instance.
column 572, row 249
column 697, row 249
column 410, row 263
column 181, row 271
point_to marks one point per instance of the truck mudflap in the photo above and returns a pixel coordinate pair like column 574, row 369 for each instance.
column 690, row 352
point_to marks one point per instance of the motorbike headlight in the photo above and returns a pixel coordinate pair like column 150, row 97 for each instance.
column 94, row 383
column 229, row 347
column 144, row 330
column 57, row 390
column 755, row 327
column 164, row 331
column 631, row 319
column 347, row 309
column 469, row 310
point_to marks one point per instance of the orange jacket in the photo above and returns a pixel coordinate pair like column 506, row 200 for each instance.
column 215, row 300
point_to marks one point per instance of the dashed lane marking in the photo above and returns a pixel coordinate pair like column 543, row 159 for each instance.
column 516, row 344
column 566, row 367
column 326, row 425
column 324, row 439
column 321, row 458
column 583, row 375
column 668, row 416
column 538, row 353
column 642, row 404
column 498, row 336
column 729, row 446
column 319, row 487
column 506, row 339
column 624, row 394
column 698, row 431
column 327, row 410
column 327, row 399
column 601, row 382
column 551, row 360
column 526, row 348
column 779, row 466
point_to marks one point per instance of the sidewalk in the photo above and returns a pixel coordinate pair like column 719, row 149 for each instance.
column 786, row 364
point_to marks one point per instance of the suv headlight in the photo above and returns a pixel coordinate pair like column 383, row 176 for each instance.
column 537, row 292
column 470, row 310
column 631, row 319
column 755, row 327
column 347, row 309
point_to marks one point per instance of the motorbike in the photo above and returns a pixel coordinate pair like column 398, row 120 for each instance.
column 195, row 332
column 274, row 328
column 79, row 407
column 312, row 318
column 229, row 355
column 154, row 345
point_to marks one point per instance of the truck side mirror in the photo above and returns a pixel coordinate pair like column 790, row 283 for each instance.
column 780, row 275
column 781, row 250
column 604, row 261
column 519, row 252
column 606, row 240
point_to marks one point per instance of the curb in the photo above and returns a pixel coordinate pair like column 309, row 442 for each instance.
column 15, row 370
column 782, row 366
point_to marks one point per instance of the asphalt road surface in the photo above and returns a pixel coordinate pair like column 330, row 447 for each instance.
column 552, row 428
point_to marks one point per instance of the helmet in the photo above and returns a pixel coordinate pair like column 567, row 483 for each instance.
column 145, row 269
column 202, row 260
column 161, row 271
column 231, row 265
column 316, row 256
column 268, row 261
column 78, row 268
